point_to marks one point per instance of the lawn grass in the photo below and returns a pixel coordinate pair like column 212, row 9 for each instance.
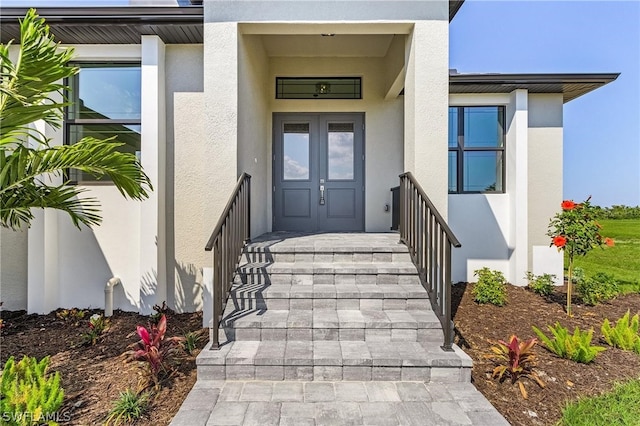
column 618, row 407
column 621, row 261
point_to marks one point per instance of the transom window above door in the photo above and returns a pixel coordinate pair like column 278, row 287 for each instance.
column 318, row 88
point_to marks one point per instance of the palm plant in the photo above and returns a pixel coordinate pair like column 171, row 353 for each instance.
column 30, row 91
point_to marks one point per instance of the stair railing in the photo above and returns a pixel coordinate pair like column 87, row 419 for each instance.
column 429, row 240
column 227, row 240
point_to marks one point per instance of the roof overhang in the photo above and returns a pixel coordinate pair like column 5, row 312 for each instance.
column 454, row 7
column 121, row 25
column 111, row 25
column 570, row 85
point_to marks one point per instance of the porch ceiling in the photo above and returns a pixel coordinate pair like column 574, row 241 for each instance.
column 339, row 45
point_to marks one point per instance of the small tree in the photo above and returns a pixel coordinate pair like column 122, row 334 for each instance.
column 576, row 231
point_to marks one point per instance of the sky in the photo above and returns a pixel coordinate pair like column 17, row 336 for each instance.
column 602, row 128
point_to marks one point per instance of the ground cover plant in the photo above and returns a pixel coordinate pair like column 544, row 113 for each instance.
column 624, row 334
column 576, row 347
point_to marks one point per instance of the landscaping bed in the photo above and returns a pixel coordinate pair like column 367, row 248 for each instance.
column 93, row 376
column 478, row 327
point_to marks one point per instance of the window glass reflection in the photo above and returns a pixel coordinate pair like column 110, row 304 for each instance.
column 482, row 127
column 295, row 147
column 106, row 92
column 483, row 171
column 340, row 153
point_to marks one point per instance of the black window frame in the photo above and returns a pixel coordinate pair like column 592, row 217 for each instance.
column 72, row 85
column 460, row 149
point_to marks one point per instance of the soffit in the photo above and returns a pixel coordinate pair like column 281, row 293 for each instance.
column 570, row 85
column 339, row 45
column 111, row 25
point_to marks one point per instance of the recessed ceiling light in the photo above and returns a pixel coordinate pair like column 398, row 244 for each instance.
column 328, row 35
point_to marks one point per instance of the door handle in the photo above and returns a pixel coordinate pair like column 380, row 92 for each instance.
column 322, row 195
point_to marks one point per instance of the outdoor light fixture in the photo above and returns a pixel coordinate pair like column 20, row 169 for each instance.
column 323, row 88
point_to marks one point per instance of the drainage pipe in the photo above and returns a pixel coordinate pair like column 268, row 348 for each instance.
column 108, row 295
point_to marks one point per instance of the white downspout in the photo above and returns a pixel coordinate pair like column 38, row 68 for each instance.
column 108, row 295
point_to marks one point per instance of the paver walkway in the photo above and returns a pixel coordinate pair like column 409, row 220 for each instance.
column 293, row 403
column 331, row 329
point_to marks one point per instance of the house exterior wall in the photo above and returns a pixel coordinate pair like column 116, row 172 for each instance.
column 503, row 231
column 545, row 180
column 426, row 95
column 136, row 241
column 188, row 228
column 13, row 269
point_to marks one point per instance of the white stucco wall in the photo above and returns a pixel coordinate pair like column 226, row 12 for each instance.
column 13, row 269
column 254, row 127
column 186, row 167
column 507, row 231
column 545, row 180
column 426, row 95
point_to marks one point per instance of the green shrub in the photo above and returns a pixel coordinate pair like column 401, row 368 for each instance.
column 490, row 288
column 624, row 335
column 598, row 288
column 29, row 395
column 129, row 406
column 576, row 347
column 540, row 284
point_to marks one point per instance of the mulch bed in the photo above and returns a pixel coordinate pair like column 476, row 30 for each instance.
column 93, row 376
column 478, row 327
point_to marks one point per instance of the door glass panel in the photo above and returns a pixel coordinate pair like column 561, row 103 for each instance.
column 295, row 151
column 340, row 151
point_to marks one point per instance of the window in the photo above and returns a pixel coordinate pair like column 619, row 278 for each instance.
column 105, row 102
column 476, row 149
column 318, row 88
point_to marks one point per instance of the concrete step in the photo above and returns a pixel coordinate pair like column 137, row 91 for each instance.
column 328, row 255
column 333, row 360
column 327, row 273
column 329, row 324
column 331, row 268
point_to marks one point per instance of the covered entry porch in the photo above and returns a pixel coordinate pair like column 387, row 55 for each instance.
column 401, row 100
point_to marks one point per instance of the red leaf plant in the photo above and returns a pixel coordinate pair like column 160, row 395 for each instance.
column 154, row 352
column 515, row 360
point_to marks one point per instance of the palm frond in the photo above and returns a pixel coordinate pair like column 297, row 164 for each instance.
column 21, row 168
column 31, row 84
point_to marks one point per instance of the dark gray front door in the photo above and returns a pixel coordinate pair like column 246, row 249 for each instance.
column 318, row 172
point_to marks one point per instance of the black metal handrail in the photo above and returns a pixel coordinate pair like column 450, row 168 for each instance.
column 429, row 240
column 227, row 240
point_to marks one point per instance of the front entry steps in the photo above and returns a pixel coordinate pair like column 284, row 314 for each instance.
column 330, row 307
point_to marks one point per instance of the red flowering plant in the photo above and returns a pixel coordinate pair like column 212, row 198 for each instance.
column 576, row 231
